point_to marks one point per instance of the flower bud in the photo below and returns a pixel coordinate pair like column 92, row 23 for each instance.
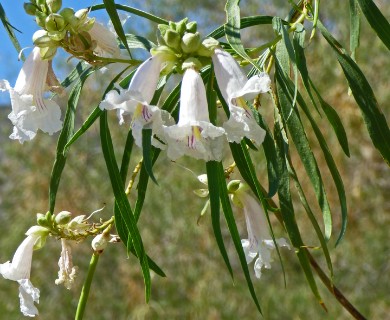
column 191, row 27
column 41, row 39
column 99, row 243
column 57, row 35
column 41, row 4
column 43, row 221
column 54, row 5
column 163, row 28
column 190, row 42
column 207, row 47
column 169, row 55
column 63, row 217
column 192, row 63
column 233, row 186
column 181, row 26
column 48, row 53
column 172, row 39
column 30, row 8
column 67, row 14
column 54, row 22
column 81, row 14
column 40, row 18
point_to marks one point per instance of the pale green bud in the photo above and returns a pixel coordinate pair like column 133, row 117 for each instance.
column 202, row 193
column 48, row 53
column 207, row 47
column 163, row 28
column 54, row 22
column 40, row 18
column 41, row 4
column 99, row 243
column 54, row 5
column 57, row 35
column 191, row 63
column 181, row 26
column 41, row 39
column 172, row 39
column 81, row 14
column 190, row 42
column 63, row 217
column 191, row 26
column 42, row 220
column 169, row 55
column 233, row 186
column 172, row 25
column 68, row 14
column 30, row 8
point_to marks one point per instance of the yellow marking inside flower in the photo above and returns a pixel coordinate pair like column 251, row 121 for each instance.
column 196, row 135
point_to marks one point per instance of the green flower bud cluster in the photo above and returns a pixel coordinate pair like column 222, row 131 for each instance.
column 183, row 41
column 60, row 28
column 63, row 225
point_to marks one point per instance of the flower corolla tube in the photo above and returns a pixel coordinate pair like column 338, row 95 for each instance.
column 30, row 110
column 236, row 88
column 194, row 135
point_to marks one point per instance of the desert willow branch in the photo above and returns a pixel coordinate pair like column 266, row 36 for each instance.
column 340, row 297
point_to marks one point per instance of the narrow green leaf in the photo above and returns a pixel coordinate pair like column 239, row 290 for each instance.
column 372, row 114
column 116, row 22
column 297, row 132
column 124, row 208
column 334, row 120
column 299, row 44
column 246, row 22
column 75, row 74
column 287, row 212
column 134, row 11
column 328, row 158
column 377, row 20
column 282, row 30
column 212, row 180
column 354, row 22
column 229, row 217
column 311, row 216
column 10, row 30
column 138, row 42
column 232, row 30
column 147, row 152
column 65, row 135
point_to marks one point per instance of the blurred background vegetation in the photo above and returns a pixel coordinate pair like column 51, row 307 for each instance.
column 198, row 285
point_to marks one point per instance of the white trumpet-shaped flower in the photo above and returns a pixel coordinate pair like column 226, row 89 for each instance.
column 135, row 100
column 104, row 40
column 67, row 272
column 194, row 135
column 236, row 88
column 259, row 243
column 19, row 270
column 30, row 110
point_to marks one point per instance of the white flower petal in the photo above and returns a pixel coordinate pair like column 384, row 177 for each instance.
column 194, row 135
column 20, row 266
column 28, row 294
column 230, row 76
column 67, row 272
column 106, row 44
column 260, row 83
column 241, row 124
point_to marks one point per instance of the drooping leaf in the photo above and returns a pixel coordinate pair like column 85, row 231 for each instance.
column 132, row 10
column 229, row 217
column 147, row 152
column 377, row 20
column 372, row 114
column 354, row 22
column 116, row 22
column 65, row 135
column 10, row 31
column 122, row 202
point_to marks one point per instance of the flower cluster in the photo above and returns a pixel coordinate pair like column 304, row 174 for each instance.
column 181, row 50
column 63, row 227
column 77, row 34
